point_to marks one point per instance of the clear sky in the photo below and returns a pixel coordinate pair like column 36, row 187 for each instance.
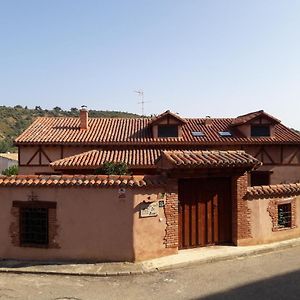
column 194, row 57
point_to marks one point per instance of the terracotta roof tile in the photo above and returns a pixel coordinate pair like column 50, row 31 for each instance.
column 81, row 180
column 253, row 115
column 95, row 158
column 165, row 115
column 270, row 191
column 108, row 131
column 211, row 159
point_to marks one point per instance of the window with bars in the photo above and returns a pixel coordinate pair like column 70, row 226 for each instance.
column 285, row 215
column 34, row 226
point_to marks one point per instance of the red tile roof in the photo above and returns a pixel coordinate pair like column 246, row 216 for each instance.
column 146, row 158
column 95, row 158
column 210, row 159
column 270, row 191
column 253, row 115
column 167, row 114
column 111, row 131
column 81, row 180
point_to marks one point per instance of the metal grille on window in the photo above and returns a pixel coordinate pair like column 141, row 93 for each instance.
column 34, row 226
column 284, row 215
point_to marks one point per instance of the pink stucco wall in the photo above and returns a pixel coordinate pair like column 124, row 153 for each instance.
column 261, row 223
column 93, row 224
column 149, row 232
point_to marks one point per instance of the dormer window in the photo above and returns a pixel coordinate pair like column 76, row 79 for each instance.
column 260, row 130
column 167, row 125
column 165, row 130
column 255, row 124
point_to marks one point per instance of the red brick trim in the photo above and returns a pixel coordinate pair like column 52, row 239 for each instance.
column 241, row 214
column 14, row 228
column 273, row 212
column 171, row 213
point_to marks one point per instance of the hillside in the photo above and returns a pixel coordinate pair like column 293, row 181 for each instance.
column 14, row 120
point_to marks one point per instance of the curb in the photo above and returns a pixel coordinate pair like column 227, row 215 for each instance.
column 62, row 273
column 145, row 270
column 249, row 253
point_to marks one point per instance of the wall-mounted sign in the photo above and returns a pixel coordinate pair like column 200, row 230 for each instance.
column 149, row 209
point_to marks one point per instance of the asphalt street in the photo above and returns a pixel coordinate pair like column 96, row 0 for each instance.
column 269, row 276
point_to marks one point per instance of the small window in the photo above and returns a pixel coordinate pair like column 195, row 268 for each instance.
column 33, row 226
column 198, row 133
column 285, row 215
column 225, row 133
column 260, row 178
column 168, row 131
column 260, row 130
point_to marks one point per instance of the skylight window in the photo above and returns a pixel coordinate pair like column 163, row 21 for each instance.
column 198, row 133
column 225, row 133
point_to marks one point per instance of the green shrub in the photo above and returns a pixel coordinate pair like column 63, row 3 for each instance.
column 10, row 171
column 111, row 168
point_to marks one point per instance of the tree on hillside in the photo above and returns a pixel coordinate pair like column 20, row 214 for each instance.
column 5, row 145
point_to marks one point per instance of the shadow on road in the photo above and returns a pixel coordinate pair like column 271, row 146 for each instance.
column 286, row 286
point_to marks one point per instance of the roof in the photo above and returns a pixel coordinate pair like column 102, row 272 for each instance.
column 11, row 156
column 269, row 191
column 126, row 131
column 81, row 181
column 253, row 115
column 210, row 159
column 95, row 158
column 167, row 114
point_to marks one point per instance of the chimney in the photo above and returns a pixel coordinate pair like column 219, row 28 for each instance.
column 207, row 121
column 84, row 118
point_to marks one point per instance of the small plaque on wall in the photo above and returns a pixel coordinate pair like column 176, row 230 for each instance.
column 149, row 209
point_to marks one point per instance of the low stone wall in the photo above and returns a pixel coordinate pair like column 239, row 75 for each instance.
column 264, row 203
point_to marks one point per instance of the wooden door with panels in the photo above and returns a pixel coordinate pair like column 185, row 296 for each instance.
column 205, row 212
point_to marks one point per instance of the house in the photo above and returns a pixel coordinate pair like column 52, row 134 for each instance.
column 193, row 182
column 7, row 160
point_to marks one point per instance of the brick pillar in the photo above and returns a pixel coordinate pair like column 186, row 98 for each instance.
column 241, row 214
column 171, row 213
column 14, row 228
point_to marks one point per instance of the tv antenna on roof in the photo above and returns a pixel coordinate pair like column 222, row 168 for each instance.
column 142, row 99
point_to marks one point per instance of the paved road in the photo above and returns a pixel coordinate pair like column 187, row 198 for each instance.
column 269, row 276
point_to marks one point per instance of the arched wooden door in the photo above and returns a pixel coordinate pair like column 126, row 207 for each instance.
column 205, row 212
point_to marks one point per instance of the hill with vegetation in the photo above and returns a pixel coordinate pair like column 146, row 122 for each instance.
column 14, row 120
